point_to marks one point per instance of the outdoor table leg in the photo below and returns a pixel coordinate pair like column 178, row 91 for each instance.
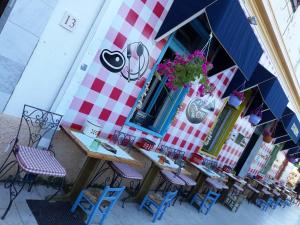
column 200, row 181
column 147, row 182
column 230, row 184
column 82, row 179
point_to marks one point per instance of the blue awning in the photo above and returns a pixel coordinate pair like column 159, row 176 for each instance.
column 260, row 75
column 228, row 24
column 267, row 116
column 294, row 152
column 292, row 126
column 289, row 145
column 273, row 96
column 282, row 139
column 181, row 13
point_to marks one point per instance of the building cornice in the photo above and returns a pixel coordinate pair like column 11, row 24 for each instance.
column 277, row 49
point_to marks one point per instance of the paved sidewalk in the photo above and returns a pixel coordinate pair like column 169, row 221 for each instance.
column 184, row 214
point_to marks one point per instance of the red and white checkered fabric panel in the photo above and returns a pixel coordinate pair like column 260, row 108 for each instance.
column 182, row 134
column 261, row 158
column 38, row 161
column 126, row 171
column 190, row 137
column 108, row 96
column 231, row 151
column 172, row 178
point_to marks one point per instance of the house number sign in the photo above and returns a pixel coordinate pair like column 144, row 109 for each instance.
column 69, row 22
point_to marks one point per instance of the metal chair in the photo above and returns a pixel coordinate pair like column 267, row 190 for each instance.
column 172, row 153
column 205, row 202
column 121, row 170
column 235, row 197
column 31, row 154
column 96, row 202
column 159, row 204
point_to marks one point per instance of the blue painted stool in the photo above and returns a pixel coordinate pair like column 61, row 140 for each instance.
column 97, row 202
column 159, row 204
column 264, row 205
column 205, row 202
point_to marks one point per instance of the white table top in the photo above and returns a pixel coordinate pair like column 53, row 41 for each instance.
column 206, row 171
column 241, row 181
column 94, row 145
column 154, row 156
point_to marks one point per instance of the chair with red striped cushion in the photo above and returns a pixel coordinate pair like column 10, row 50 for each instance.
column 30, row 153
column 121, row 170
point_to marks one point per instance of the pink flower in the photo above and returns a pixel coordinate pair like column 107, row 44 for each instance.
column 201, row 90
column 204, row 68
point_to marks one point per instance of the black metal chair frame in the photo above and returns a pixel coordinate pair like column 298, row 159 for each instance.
column 172, row 153
column 234, row 199
column 126, row 140
column 38, row 124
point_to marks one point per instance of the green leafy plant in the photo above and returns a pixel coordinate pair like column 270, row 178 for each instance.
column 184, row 70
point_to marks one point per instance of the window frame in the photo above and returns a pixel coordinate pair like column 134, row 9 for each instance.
column 176, row 46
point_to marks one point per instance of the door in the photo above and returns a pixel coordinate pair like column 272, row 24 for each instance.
column 3, row 4
column 246, row 153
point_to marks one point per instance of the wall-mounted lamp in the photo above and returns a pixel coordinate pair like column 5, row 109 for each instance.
column 252, row 20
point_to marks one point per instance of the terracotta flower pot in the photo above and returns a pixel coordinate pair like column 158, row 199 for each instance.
column 267, row 138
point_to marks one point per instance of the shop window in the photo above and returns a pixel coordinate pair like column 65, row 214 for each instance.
column 160, row 104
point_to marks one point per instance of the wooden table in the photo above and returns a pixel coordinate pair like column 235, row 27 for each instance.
column 94, row 152
column 204, row 173
column 153, row 172
column 235, row 178
column 232, row 179
column 262, row 185
column 216, row 184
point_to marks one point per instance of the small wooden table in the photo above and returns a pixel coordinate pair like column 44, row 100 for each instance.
column 204, row 173
column 216, row 184
column 153, row 172
column 232, row 179
column 95, row 152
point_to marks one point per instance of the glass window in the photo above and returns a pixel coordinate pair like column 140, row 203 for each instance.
column 160, row 104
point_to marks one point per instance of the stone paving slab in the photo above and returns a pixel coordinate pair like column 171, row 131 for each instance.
column 184, row 214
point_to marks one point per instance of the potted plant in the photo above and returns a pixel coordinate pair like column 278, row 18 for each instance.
column 256, row 116
column 237, row 96
column 184, row 70
column 236, row 99
column 267, row 135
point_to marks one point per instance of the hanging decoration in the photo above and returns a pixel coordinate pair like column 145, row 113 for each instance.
column 237, row 96
column 268, row 133
column 138, row 58
column 133, row 66
column 114, row 61
column 198, row 109
column 256, row 115
column 186, row 70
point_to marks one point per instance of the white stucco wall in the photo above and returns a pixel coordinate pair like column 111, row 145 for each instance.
column 53, row 56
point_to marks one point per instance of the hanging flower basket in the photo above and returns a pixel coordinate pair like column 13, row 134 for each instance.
column 256, row 116
column 237, row 96
column 268, row 133
column 267, row 136
column 254, row 119
column 185, row 70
